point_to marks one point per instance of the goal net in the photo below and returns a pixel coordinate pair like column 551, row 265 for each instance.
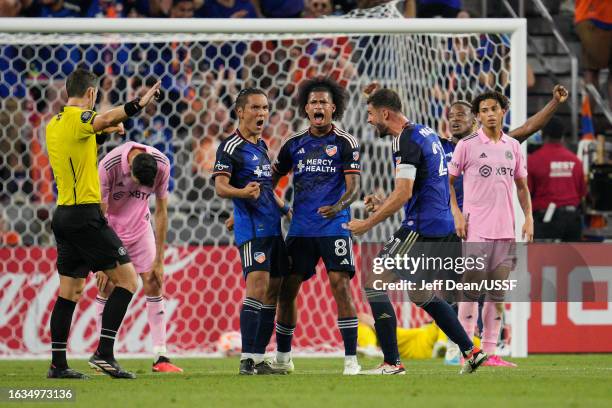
column 201, row 73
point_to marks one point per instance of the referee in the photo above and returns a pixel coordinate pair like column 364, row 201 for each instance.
column 85, row 242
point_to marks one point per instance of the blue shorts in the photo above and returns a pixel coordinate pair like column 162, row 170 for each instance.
column 267, row 254
column 305, row 252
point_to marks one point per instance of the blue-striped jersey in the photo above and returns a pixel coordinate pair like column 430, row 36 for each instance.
column 244, row 162
column 428, row 210
column 319, row 165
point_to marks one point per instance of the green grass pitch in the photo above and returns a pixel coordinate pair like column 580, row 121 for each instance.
column 539, row 381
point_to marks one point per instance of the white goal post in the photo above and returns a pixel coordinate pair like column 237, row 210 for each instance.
column 15, row 30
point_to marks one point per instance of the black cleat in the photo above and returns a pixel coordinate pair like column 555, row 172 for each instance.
column 109, row 366
column 247, row 367
column 476, row 358
column 69, row 373
column 265, row 368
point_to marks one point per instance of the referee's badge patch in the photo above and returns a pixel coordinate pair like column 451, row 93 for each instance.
column 260, row 257
column 509, row 155
column 122, row 251
column 86, row 116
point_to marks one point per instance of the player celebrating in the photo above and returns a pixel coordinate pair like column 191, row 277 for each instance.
column 129, row 174
column 421, row 187
column 490, row 162
column 325, row 164
column 243, row 172
column 85, row 242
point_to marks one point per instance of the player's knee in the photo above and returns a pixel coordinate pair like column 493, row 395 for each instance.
column 125, row 277
column 257, row 285
column 150, row 286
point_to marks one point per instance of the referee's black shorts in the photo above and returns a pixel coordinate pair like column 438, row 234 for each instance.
column 85, row 241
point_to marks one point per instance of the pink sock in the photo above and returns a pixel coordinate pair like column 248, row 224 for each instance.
column 100, row 303
column 156, row 313
column 468, row 317
column 491, row 321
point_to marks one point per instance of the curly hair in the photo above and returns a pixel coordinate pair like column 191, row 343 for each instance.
column 501, row 99
column 338, row 94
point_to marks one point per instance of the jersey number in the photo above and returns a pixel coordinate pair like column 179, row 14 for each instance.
column 340, row 245
column 437, row 149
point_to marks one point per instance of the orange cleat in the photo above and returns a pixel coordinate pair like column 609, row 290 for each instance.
column 163, row 365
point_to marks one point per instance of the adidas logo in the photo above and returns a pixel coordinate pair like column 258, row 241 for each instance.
column 384, row 316
column 344, row 262
column 301, row 151
column 483, row 156
column 255, row 157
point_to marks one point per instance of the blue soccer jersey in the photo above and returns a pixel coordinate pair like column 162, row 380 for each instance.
column 319, row 165
column 449, row 148
column 428, row 210
column 244, row 162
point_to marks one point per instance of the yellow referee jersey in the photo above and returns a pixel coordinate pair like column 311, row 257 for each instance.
column 73, row 154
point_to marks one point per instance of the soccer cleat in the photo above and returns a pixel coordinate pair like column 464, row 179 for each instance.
column 351, row 367
column 109, row 366
column 247, row 367
column 68, row 373
column 265, row 368
column 386, row 369
column 475, row 359
column 288, row 367
column 163, row 365
column 452, row 356
column 497, row 361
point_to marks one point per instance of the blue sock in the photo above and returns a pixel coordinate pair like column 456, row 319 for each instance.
column 447, row 320
column 348, row 329
column 284, row 335
column 249, row 320
column 265, row 328
column 385, row 323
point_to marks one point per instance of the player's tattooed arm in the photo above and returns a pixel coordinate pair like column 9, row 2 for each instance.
column 351, row 194
column 522, row 191
column 225, row 190
column 460, row 222
column 396, row 200
column 541, row 118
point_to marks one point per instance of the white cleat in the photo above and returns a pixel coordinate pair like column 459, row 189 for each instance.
column 288, row 366
column 386, row 369
column 351, row 367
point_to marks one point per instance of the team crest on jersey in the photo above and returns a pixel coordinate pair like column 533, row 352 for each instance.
column 355, row 156
column 398, row 160
column 331, row 150
column 260, row 257
column 509, row 155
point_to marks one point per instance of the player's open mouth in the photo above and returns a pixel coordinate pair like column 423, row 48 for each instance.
column 455, row 126
column 259, row 123
column 318, row 116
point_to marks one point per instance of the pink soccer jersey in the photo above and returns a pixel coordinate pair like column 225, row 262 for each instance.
column 489, row 170
column 128, row 205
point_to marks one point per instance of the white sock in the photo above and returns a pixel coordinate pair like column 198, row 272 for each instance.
column 283, row 358
column 349, row 359
column 245, row 356
column 257, row 358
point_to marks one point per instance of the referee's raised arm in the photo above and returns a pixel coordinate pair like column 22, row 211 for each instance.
column 85, row 241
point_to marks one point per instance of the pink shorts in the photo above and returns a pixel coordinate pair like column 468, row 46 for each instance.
column 142, row 252
column 496, row 252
